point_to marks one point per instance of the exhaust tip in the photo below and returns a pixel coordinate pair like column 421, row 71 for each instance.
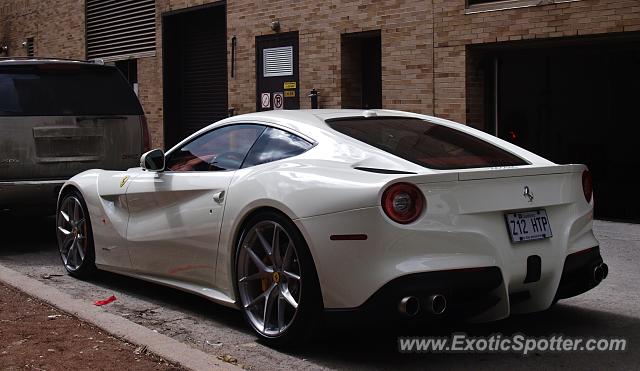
column 409, row 306
column 437, row 304
column 598, row 274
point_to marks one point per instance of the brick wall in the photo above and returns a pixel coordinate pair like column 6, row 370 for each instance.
column 406, row 47
column 150, row 95
column 57, row 27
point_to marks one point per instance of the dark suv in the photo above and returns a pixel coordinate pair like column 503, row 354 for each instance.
column 58, row 118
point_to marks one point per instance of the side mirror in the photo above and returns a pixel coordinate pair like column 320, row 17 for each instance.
column 153, row 160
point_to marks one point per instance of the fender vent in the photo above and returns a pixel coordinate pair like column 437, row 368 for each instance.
column 382, row 171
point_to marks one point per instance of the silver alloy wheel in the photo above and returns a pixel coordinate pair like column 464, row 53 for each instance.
column 269, row 279
column 72, row 233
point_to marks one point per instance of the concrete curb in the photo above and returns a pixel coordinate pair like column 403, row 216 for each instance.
column 163, row 346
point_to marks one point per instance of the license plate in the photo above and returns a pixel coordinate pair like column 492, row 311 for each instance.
column 528, row 225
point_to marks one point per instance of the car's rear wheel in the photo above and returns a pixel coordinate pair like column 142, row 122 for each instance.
column 75, row 239
column 276, row 280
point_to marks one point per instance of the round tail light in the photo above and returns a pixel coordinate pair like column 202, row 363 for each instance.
column 403, row 202
column 587, row 185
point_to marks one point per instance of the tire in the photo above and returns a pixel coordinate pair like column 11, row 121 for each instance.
column 277, row 288
column 75, row 236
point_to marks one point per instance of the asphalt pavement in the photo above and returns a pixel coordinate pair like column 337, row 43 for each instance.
column 611, row 310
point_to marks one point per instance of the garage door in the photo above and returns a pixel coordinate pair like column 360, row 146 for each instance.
column 195, row 71
column 578, row 104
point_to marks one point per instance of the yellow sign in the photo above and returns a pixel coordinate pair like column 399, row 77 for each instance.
column 124, row 181
column 289, row 93
column 290, row 85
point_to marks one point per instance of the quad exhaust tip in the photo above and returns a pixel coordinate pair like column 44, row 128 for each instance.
column 410, row 305
column 605, row 270
column 437, row 304
column 600, row 272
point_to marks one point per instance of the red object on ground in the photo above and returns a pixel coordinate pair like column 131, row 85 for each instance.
column 105, row 301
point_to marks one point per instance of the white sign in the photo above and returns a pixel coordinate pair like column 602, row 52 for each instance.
column 278, row 100
column 265, row 100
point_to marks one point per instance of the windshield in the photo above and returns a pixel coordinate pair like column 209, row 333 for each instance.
column 425, row 143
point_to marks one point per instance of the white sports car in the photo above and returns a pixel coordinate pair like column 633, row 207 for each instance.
column 289, row 215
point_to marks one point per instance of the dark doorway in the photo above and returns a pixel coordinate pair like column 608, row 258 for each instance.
column 277, row 85
column 129, row 68
column 195, row 71
column 361, row 58
column 577, row 104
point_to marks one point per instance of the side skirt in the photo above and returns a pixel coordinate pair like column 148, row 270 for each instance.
column 205, row 292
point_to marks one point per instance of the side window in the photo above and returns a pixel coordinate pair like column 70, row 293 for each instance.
column 275, row 144
column 219, row 149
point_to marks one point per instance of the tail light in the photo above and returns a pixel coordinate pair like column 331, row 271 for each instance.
column 403, row 202
column 146, row 140
column 587, row 185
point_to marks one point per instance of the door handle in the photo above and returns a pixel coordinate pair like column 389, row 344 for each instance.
column 219, row 197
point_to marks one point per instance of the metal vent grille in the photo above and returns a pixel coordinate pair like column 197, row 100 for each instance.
column 278, row 61
column 30, row 47
column 118, row 29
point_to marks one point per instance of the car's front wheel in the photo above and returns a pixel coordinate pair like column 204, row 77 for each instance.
column 276, row 280
column 75, row 238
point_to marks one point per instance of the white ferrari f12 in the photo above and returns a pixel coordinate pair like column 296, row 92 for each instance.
column 292, row 215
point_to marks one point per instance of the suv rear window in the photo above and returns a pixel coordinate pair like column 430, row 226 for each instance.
column 65, row 90
column 425, row 143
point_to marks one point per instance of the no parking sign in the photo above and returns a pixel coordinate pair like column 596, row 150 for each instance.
column 278, row 100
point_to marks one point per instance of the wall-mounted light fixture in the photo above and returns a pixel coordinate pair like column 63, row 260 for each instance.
column 275, row 26
column 29, row 46
column 233, row 58
column 4, row 49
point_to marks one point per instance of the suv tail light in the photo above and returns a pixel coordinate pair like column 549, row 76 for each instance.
column 403, row 202
column 146, row 141
column 587, row 185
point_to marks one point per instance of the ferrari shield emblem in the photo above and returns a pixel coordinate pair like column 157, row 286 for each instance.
column 124, row 181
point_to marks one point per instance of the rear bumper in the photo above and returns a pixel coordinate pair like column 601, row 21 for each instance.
column 20, row 196
column 578, row 273
column 469, row 293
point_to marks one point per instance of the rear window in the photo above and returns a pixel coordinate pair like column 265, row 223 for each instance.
column 65, row 90
column 425, row 143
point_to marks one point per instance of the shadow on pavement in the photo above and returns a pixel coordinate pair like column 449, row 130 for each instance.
column 375, row 345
